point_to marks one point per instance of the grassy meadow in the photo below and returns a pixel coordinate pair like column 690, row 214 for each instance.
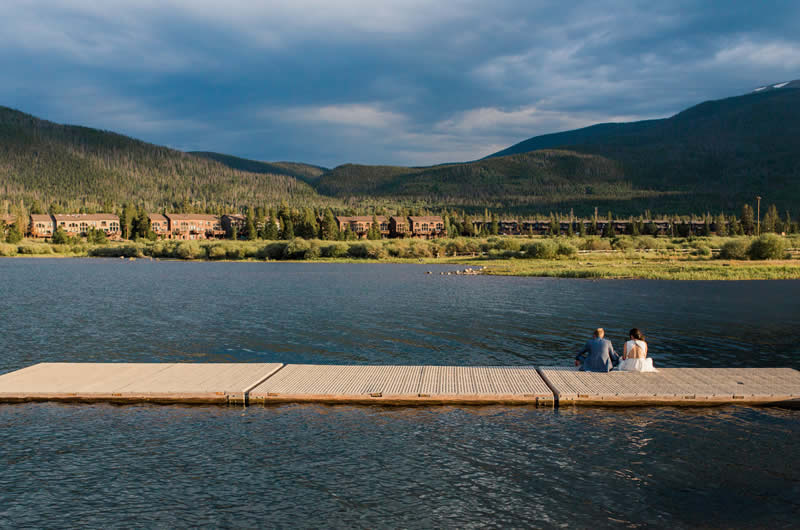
column 647, row 257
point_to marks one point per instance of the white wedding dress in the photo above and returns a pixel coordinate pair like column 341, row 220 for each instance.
column 639, row 364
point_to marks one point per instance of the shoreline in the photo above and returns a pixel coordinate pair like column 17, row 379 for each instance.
column 674, row 270
column 665, row 259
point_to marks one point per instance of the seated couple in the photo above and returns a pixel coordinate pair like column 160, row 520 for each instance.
column 602, row 357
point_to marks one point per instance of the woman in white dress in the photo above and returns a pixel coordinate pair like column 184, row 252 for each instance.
column 634, row 354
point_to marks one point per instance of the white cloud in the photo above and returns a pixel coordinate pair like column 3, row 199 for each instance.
column 779, row 54
column 359, row 115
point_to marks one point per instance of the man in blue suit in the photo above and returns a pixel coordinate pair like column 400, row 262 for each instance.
column 601, row 355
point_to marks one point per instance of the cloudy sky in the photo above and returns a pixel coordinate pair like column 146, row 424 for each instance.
column 408, row 82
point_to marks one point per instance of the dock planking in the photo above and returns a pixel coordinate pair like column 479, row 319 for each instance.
column 404, row 385
column 121, row 382
column 675, row 386
column 395, row 384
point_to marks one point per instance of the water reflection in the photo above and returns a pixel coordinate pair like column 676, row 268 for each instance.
column 350, row 466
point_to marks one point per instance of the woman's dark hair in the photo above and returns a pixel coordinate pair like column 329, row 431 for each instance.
column 636, row 334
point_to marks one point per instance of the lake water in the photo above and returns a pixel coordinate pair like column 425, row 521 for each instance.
column 342, row 466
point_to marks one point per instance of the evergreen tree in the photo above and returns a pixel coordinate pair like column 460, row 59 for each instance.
column 721, row 225
column 593, row 228
column 140, row 226
column 288, row 229
column 125, row 221
column 635, row 228
column 581, row 228
column 270, row 230
column 14, row 234
column 59, row 236
column 250, row 232
column 570, row 230
column 772, row 221
column 735, row 226
column 495, row 226
column 330, row 229
column 707, row 226
column 555, row 226
column 608, row 231
column 308, row 226
column 468, row 229
column 748, row 225
column 94, row 236
column 374, row 231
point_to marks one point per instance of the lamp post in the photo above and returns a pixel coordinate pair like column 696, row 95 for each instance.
column 758, row 215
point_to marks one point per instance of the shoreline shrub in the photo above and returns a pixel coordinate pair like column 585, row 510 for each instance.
column 217, row 252
column 274, row 250
column 34, row 249
column 335, row 250
column 596, row 244
column 545, row 249
column 566, row 250
column 7, row 250
column 296, row 249
column 189, row 250
column 767, row 246
column 622, row 243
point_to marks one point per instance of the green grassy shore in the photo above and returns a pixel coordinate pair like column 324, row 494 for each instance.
column 645, row 257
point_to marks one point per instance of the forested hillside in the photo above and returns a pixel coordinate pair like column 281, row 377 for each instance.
column 527, row 181
column 301, row 171
column 719, row 153
column 76, row 167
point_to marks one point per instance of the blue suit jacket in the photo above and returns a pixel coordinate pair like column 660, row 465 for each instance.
column 601, row 356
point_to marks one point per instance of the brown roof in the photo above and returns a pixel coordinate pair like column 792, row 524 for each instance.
column 235, row 216
column 192, row 217
column 157, row 217
column 86, row 217
column 426, row 219
column 400, row 219
column 41, row 218
column 8, row 219
column 360, row 218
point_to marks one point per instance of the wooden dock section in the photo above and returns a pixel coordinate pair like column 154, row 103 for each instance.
column 395, row 385
column 675, row 386
column 399, row 385
column 127, row 382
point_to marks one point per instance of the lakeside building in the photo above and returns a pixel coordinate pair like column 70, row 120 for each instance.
column 398, row 226
column 361, row 224
column 194, row 226
column 231, row 221
column 426, row 226
column 79, row 224
column 205, row 226
column 8, row 220
column 159, row 224
column 41, row 225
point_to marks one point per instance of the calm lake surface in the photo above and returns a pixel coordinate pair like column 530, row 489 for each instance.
column 342, row 466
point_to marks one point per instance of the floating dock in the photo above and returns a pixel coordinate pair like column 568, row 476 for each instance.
column 251, row 383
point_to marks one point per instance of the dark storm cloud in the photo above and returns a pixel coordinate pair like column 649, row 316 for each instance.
column 411, row 82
